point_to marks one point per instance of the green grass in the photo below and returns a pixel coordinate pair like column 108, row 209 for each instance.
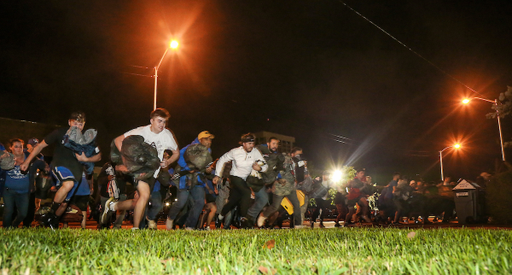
column 304, row 251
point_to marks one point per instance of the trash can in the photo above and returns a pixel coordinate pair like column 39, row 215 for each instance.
column 468, row 202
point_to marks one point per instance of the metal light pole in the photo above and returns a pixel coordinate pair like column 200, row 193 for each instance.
column 173, row 45
column 495, row 103
column 457, row 146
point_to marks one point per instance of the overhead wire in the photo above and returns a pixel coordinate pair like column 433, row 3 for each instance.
column 409, row 48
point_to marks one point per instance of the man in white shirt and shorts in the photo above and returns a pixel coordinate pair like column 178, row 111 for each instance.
column 162, row 139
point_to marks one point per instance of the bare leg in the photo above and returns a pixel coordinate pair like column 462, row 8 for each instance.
column 84, row 219
column 38, row 204
column 61, row 209
column 211, row 215
column 139, row 205
column 63, row 191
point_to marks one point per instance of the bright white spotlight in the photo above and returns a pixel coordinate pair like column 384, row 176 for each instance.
column 336, row 176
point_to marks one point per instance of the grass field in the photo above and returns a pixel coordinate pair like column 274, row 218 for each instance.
column 300, row 251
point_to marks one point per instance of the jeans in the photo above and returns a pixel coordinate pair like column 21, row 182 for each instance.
column 11, row 199
column 27, row 222
column 276, row 202
column 156, row 205
column 260, row 200
column 239, row 193
column 320, row 204
column 197, row 195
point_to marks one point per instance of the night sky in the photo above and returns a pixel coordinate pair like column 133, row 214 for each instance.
column 315, row 70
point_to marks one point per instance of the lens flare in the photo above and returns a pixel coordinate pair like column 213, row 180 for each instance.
column 336, row 176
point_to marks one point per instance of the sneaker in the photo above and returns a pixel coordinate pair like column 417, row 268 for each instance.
column 169, row 224
column 322, row 225
column 337, row 225
column 218, row 223
column 261, row 221
column 50, row 220
column 189, row 228
column 108, row 207
column 152, row 224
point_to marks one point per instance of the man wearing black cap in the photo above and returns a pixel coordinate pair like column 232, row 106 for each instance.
column 66, row 167
column 244, row 160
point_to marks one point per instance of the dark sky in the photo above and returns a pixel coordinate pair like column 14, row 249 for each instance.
column 313, row 69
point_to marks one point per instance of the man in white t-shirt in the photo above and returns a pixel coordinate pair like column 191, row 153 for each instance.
column 162, row 139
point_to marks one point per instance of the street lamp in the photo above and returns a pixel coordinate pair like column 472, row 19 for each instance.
column 173, row 45
column 456, row 146
column 495, row 103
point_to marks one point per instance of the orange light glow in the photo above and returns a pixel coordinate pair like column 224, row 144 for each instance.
column 465, row 101
column 456, row 146
column 174, row 44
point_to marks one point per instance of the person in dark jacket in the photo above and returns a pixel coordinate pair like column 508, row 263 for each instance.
column 259, row 185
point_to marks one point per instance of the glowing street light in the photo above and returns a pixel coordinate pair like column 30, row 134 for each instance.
column 456, row 146
column 174, row 44
column 495, row 103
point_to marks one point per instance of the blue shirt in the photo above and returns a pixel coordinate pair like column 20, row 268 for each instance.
column 83, row 187
column 17, row 181
column 157, row 187
column 184, row 166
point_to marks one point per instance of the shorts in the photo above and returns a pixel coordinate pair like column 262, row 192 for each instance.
column 81, row 202
column 210, row 198
column 151, row 182
column 62, row 174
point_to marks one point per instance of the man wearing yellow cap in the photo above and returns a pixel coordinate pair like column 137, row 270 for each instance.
column 192, row 181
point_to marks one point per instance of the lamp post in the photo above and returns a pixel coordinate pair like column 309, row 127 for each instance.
column 173, row 45
column 456, row 146
column 495, row 103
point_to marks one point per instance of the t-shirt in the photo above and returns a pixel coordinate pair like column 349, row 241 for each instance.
column 161, row 141
column 17, row 181
column 62, row 156
column 83, row 187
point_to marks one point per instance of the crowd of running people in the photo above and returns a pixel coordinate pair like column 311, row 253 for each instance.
column 253, row 185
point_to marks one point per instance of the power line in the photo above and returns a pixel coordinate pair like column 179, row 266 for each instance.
column 410, row 49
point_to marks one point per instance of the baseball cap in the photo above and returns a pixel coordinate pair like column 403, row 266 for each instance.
column 205, row 134
column 249, row 137
column 33, row 141
column 78, row 116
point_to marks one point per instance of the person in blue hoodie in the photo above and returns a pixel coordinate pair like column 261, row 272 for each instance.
column 196, row 190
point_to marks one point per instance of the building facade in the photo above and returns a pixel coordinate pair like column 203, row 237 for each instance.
column 286, row 142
